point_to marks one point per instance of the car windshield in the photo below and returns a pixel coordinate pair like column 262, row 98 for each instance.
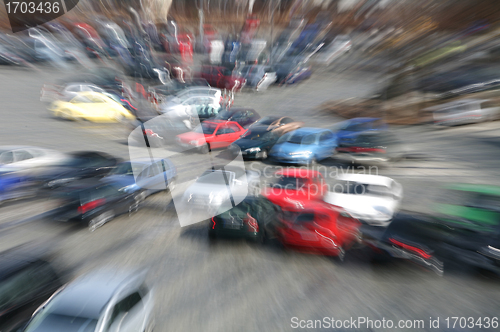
column 304, row 139
column 54, row 322
column 358, row 188
column 257, row 135
column 81, row 99
column 288, row 182
column 267, row 120
column 127, row 169
column 206, row 128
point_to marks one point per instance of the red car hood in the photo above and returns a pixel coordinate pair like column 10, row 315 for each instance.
column 191, row 136
column 290, row 198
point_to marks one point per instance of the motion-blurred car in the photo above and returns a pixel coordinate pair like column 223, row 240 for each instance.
column 318, row 227
column 259, row 77
column 222, row 78
column 292, row 72
column 210, row 135
column 340, row 45
column 255, row 143
column 149, row 175
column 50, row 93
column 100, row 301
column 182, row 104
column 93, row 202
column 372, row 199
column 253, row 219
column 91, row 106
column 281, row 125
column 28, row 159
column 372, row 147
column 219, row 186
column 79, row 165
column 349, row 129
column 464, row 111
column 304, row 146
column 16, row 186
column 244, row 116
column 27, row 280
column 295, row 186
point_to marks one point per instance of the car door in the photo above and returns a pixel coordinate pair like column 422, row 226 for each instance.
column 127, row 314
column 224, row 136
column 327, row 144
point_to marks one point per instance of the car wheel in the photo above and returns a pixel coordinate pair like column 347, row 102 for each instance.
column 204, row 149
column 172, row 184
column 138, row 200
column 100, row 220
column 264, row 155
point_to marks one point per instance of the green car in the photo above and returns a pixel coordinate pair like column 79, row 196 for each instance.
column 252, row 219
column 476, row 207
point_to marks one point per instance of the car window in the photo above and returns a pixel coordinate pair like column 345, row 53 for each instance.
column 124, row 306
column 73, row 88
column 7, row 157
column 21, row 155
column 286, row 121
column 163, row 165
column 233, row 128
column 325, row 136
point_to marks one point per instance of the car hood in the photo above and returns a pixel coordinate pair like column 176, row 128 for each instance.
column 364, row 206
column 248, row 143
column 191, row 136
column 286, row 148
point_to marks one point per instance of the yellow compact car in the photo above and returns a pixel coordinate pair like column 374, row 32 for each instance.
column 91, row 106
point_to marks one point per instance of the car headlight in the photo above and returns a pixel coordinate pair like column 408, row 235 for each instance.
column 195, row 142
column 253, row 150
column 301, row 153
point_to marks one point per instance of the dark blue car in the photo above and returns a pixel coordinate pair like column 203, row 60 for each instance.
column 350, row 129
column 14, row 185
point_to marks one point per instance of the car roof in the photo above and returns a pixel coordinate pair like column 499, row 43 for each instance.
column 309, row 130
column 88, row 295
column 263, row 128
column 367, row 179
column 215, row 121
column 299, row 172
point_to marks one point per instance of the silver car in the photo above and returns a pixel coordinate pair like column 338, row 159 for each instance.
column 465, row 111
column 220, row 185
column 259, row 77
column 99, row 302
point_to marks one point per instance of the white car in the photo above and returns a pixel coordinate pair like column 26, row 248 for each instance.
column 464, row 111
column 184, row 104
column 103, row 301
column 28, row 158
column 372, row 199
column 217, row 186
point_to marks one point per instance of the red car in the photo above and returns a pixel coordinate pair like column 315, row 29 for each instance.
column 318, row 227
column 295, row 187
column 222, row 78
column 211, row 135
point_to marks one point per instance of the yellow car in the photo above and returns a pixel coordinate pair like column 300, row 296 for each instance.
column 91, row 106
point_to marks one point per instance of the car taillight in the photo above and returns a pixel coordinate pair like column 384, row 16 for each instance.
column 413, row 249
column 252, row 224
column 91, row 205
column 213, row 223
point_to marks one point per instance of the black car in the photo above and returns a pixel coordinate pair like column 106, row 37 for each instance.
column 26, row 281
column 80, row 165
column 436, row 243
column 371, row 147
column 244, row 116
column 94, row 202
column 252, row 219
column 256, row 142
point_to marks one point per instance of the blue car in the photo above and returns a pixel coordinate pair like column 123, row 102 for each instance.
column 304, row 146
column 15, row 186
column 350, row 129
column 151, row 176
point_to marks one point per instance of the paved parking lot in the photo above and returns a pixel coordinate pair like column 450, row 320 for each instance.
column 235, row 285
